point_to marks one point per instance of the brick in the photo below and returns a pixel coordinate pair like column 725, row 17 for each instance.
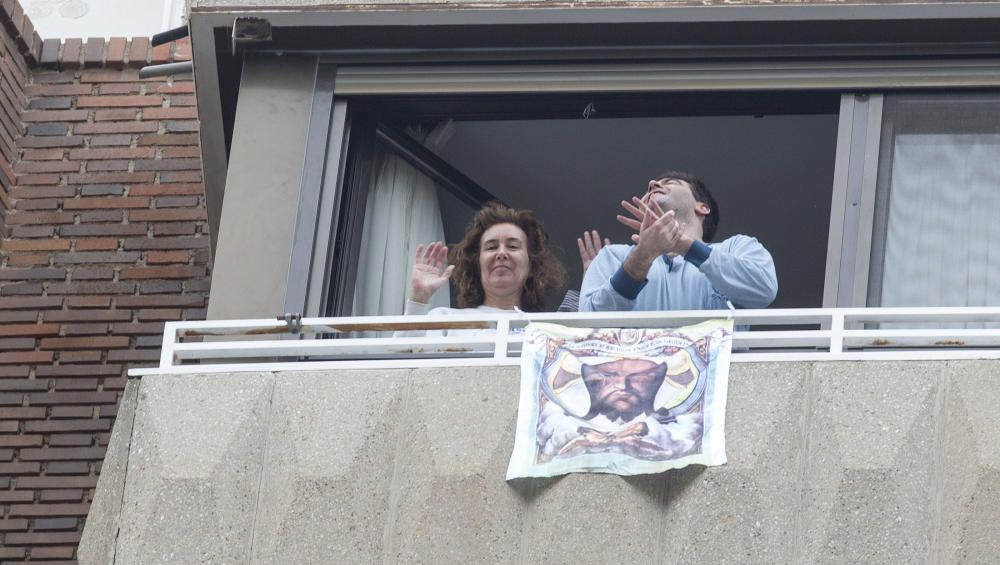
column 89, row 257
column 11, row 399
column 7, row 427
column 175, row 229
column 104, row 203
column 75, row 384
column 118, row 127
column 21, row 330
column 15, row 343
column 101, row 76
column 32, row 274
column 62, row 454
column 120, row 88
column 43, row 191
column 162, row 140
column 93, row 342
column 102, row 190
column 26, row 357
column 106, row 178
column 180, row 152
column 20, row 441
column 16, row 496
column 139, row 50
column 85, row 329
column 179, row 189
column 51, row 103
column 80, row 357
column 164, row 314
column 161, row 301
column 30, row 303
column 70, row 495
column 132, row 356
column 182, row 100
column 170, row 215
column 55, row 115
column 139, row 101
column 57, row 89
column 48, row 167
column 168, row 164
column 20, row 469
column 48, row 128
column 116, row 115
column 115, row 229
column 49, row 524
column 88, row 301
column 44, row 539
column 161, row 54
column 94, row 216
column 37, row 204
column 116, row 51
column 110, row 140
column 23, row 384
column 172, row 272
column 93, row 273
column 65, row 440
column 52, row 553
column 161, row 257
column 32, row 231
column 114, row 153
column 71, row 53
column 64, row 412
column 39, row 178
column 177, row 87
column 181, row 113
column 14, row 525
column 47, row 77
column 21, row 289
column 43, row 154
column 181, row 126
column 134, row 328
column 90, row 288
column 87, row 315
column 146, row 341
column 47, row 510
column 56, row 482
column 93, row 55
column 180, row 176
column 100, row 244
column 48, row 426
column 7, row 317
column 16, row 245
column 107, row 166
column 12, row 553
column 50, row 52
column 62, row 141
column 30, row 218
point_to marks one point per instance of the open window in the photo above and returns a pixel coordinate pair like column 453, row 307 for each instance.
column 767, row 157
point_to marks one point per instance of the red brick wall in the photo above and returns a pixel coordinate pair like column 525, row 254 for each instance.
column 103, row 237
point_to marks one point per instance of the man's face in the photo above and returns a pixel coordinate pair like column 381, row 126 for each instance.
column 623, row 388
column 672, row 194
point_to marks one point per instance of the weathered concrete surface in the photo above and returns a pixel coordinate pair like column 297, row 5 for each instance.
column 237, row 5
column 828, row 462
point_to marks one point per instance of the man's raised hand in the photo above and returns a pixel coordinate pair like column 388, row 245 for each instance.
column 590, row 245
column 429, row 271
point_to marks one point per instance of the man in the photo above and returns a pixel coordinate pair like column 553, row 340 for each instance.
column 671, row 266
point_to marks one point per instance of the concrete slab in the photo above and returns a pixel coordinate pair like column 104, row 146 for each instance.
column 451, row 503
column 194, row 470
column 969, row 477
column 868, row 492
column 744, row 511
column 331, row 447
column 97, row 546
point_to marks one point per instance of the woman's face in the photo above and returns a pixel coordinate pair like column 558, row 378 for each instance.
column 504, row 264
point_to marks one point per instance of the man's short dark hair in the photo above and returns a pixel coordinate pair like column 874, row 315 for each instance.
column 709, row 223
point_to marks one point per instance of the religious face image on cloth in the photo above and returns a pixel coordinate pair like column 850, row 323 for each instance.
column 625, row 401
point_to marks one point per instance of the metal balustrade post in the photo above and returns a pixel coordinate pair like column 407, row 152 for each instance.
column 503, row 335
column 836, row 332
column 167, row 346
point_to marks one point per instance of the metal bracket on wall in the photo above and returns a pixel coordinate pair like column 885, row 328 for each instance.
column 293, row 322
column 248, row 29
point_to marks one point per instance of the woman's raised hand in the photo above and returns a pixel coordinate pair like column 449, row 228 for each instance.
column 429, row 271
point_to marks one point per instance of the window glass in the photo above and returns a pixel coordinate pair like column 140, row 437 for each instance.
column 937, row 235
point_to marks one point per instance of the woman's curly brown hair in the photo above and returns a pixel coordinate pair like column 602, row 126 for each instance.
column 546, row 272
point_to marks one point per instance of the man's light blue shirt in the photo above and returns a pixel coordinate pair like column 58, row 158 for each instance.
column 737, row 269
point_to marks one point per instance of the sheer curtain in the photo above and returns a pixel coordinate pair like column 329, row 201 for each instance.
column 942, row 240
column 402, row 211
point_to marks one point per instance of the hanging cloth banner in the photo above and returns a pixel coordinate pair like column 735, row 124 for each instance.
column 623, row 401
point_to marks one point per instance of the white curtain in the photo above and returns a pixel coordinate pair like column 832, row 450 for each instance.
column 402, row 211
column 942, row 244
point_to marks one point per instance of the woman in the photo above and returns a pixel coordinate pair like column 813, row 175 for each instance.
column 501, row 265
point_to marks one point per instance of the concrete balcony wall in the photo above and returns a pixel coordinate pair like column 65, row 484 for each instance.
column 876, row 462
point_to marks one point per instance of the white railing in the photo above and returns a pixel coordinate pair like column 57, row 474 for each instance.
column 762, row 335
